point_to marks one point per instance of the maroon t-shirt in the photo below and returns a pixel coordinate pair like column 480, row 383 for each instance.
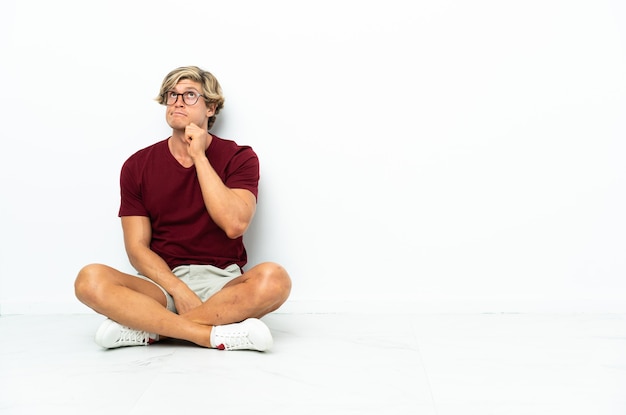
column 155, row 185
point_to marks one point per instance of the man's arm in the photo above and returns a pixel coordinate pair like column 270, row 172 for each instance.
column 231, row 209
column 137, row 235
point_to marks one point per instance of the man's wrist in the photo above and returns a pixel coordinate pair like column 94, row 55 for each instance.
column 200, row 158
column 176, row 287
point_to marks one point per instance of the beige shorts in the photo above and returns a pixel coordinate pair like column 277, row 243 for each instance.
column 204, row 280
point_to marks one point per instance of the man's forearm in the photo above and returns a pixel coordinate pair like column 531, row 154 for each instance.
column 150, row 265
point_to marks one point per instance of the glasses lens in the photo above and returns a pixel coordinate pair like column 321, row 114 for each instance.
column 190, row 97
column 170, row 97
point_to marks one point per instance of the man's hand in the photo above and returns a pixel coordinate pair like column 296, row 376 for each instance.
column 198, row 140
column 185, row 299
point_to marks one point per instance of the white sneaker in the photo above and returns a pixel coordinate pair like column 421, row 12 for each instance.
column 250, row 334
column 111, row 335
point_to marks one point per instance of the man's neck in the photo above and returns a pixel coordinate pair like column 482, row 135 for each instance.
column 178, row 148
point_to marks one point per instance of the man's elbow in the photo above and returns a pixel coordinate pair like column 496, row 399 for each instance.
column 236, row 230
column 133, row 254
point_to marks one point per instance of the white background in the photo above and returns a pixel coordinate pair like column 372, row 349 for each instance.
column 430, row 155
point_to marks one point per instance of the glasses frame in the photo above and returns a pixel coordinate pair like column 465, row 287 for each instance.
column 182, row 95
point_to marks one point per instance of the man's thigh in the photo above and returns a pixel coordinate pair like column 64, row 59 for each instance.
column 137, row 283
column 150, row 288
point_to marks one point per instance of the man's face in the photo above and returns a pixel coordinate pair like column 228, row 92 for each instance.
column 183, row 110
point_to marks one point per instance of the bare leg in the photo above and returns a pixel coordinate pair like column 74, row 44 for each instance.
column 257, row 292
column 139, row 304
column 135, row 303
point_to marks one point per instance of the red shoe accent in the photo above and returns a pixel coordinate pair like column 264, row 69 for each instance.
column 221, row 347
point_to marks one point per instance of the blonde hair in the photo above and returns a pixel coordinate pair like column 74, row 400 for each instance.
column 211, row 89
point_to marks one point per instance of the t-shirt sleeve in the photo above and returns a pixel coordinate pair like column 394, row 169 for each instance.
column 131, row 203
column 243, row 171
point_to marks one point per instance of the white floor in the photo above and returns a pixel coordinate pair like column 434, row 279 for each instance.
column 326, row 364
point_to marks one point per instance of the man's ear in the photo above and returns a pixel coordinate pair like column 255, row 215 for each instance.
column 210, row 109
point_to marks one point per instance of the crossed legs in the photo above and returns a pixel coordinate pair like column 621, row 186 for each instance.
column 140, row 304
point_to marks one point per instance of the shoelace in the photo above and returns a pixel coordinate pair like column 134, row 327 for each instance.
column 133, row 336
column 234, row 339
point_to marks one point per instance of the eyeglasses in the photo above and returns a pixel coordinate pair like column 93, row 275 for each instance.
column 189, row 97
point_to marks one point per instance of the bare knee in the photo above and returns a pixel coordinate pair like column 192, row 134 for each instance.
column 274, row 279
column 89, row 282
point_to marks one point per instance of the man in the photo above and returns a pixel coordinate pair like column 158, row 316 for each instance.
column 185, row 204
